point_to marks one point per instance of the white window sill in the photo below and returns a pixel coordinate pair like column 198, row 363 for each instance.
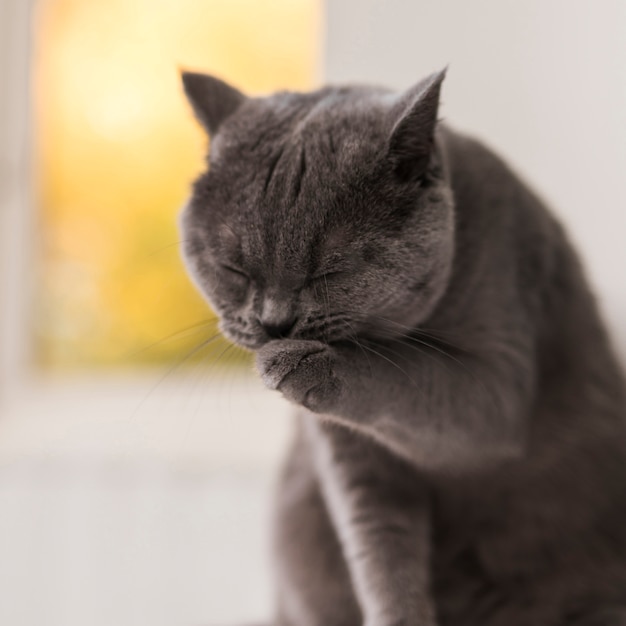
column 212, row 423
column 126, row 503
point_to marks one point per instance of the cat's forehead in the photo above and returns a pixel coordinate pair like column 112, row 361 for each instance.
column 331, row 123
column 290, row 154
column 286, row 172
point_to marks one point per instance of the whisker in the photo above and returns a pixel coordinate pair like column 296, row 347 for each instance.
column 173, row 369
column 327, row 297
column 199, row 378
column 419, row 349
column 413, row 330
column 184, row 332
column 464, row 366
column 360, row 345
column 440, row 335
column 382, row 356
column 169, row 245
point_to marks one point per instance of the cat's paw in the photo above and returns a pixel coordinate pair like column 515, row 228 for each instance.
column 302, row 371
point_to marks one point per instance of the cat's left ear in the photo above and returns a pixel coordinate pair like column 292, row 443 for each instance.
column 414, row 118
column 212, row 99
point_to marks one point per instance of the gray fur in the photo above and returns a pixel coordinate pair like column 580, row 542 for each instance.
column 460, row 456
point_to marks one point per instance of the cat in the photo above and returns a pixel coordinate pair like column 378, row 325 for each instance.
column 460, row 447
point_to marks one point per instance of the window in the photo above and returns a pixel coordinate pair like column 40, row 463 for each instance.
column 115, row 150
column 119, row 485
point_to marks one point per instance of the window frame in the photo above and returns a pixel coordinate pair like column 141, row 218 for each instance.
column 139, row 415
column 17, row 215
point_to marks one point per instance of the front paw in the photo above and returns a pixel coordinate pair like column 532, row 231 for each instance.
column 302, row 371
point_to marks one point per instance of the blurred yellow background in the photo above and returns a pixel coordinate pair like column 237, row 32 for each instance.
column 116, row 150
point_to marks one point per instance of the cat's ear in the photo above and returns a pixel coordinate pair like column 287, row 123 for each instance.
column 212, row 99
column 414, row 118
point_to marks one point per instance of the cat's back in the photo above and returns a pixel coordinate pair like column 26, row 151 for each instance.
column 561, row 506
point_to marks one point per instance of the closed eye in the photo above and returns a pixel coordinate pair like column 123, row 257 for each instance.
column 234, row 270
column 327, row 275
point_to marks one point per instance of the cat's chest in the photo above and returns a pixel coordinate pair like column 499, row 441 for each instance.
column 492, row 533
column 481, row 566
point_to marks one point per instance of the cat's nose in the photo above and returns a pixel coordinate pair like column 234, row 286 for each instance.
column 277, row 316
column 278, row 328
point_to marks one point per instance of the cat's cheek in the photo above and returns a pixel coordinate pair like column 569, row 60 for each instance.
column 235, row 295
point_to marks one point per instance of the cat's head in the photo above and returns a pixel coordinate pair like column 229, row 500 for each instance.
column 323, row 215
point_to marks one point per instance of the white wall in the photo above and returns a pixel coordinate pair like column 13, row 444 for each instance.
column 543, row 81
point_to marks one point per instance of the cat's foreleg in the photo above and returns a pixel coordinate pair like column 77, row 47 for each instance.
column 429, row 414
column 380, row 510
column 313, row 583
column 434, row 412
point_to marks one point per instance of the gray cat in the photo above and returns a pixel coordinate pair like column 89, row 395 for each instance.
column 460, row 456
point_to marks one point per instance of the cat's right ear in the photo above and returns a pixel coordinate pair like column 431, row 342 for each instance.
column 414, row 118
column 212, row 99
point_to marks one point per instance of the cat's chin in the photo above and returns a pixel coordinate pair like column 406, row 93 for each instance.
column 251, row 347
column 247, row 342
